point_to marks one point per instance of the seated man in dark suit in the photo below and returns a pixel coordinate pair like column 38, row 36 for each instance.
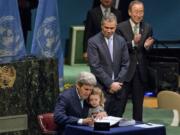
column 72, row 107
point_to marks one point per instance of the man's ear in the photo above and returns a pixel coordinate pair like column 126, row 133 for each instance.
column 77, row 86
column 101, row 26
column 129, row 12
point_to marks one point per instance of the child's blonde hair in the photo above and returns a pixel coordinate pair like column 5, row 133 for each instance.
column 98, row 91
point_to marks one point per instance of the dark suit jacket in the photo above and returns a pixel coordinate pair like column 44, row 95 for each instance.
column 96, row 3
column 125, row 30
column 68, row 109
column 100, row 61
column 93, row 23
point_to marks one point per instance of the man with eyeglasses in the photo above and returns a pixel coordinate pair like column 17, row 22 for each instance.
column 138, row 35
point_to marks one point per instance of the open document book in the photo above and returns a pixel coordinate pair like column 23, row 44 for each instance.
column 110, row 119
column 116, row 120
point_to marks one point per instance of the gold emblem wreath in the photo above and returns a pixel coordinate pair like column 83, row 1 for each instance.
column 7, row 76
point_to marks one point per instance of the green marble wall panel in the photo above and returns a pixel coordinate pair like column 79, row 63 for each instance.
column 34, row 91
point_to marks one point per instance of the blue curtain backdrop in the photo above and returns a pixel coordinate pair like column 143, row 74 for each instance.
column 46, row 38
column 11, row 37
column 164, row 16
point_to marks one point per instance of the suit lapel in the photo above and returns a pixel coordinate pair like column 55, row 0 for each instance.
column 129, row 28
column 114, row 48
column 142, row 28
column 106, row 49
column 142, row 32
column 77, row 101
column 85, row 109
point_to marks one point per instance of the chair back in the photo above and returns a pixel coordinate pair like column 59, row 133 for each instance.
column 47, row 124
column 169, row 100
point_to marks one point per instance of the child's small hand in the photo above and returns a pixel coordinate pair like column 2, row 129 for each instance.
column 100, row 115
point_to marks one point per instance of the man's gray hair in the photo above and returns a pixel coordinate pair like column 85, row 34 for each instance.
column 109, row 17
column 86, row 78
column 132, row 3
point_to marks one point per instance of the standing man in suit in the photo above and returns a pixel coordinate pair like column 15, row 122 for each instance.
column 72, row 106
column 138, row 35
column 121, row 5
column 109, row 61
column 93, row 21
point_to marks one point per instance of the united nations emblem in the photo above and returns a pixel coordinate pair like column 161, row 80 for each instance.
column 7, row 77
column 10, row 37
column 48, row 37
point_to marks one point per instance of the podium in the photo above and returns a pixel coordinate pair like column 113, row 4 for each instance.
column 27, row 88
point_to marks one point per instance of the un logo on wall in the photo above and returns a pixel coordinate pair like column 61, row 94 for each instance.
column 10, row 37
column 7, row 76
column 48, row 37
